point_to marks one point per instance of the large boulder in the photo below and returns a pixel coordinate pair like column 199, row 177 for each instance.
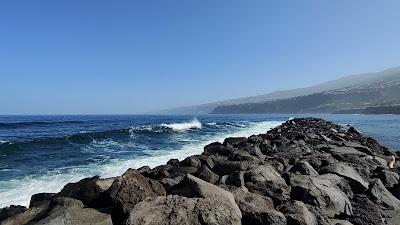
column 340, row 182
column 88, row 190
column 321, row 193
column 358, row 184
column 297, row 213
column 380, row 195
column 365, row 211
column 257, row 209
column 206, row 174
column 174, row 209
column 193, row 187
column 28, row 215
column 217, row 148
column 11, row 211
column 71, row 212
column 39, row 198
column 264, row 180
column 303, row 168
column 127, row 191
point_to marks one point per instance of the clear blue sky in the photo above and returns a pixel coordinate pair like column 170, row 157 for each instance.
column 74, row 57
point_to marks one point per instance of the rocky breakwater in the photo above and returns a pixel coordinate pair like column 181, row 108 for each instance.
column 304, row 172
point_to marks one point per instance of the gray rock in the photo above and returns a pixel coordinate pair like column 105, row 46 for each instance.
column 380, row 195
column 223, row 167
column 193, row 187
column 28, row 215
column 303, row 168
column 64, row 215
column 191, row 161
column 234, row 141
column 173, row 209
column 10, row 211
column 217, row 148
column 127, row 191
column 297, row 213
column 340, row 182
column 358, row 184
column 321, row 193
column 388, row 178
column 264, row 180
column 236, row 179
column 206, row 174
column 86, row 190
column 256, row 209
column 365, row 211
column 39, row 198
column 168, row 183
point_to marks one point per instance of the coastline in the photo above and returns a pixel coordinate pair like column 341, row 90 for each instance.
column 285, row 171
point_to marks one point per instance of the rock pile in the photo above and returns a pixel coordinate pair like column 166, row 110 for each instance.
column 304, row 172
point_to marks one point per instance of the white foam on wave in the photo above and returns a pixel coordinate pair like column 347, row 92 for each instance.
column 183, row 126
column 18, row 192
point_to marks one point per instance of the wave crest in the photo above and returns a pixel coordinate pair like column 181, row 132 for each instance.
column 183, row 126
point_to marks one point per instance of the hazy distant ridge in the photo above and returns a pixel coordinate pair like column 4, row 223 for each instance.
column 345, row 82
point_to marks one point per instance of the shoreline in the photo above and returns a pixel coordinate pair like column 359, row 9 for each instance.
column 116, row 167
column 279, row 170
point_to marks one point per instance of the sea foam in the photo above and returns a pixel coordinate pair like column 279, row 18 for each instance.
column 183, row 126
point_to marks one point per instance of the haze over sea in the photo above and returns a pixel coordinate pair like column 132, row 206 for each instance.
column 43, row 153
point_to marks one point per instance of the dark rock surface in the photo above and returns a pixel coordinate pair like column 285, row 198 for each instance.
column 303, row 172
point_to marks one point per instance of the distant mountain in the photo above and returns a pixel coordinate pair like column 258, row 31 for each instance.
column 345, row 82
column 379, row 91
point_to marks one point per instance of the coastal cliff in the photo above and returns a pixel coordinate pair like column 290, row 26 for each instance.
column 304, row 172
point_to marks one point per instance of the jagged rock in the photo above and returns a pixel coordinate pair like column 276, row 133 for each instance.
column 365, row 211
column 227, row 167
column 297, row 213
column 357, row 183
column 217, row 148
column 234, row 141
column 64, row 201
column 173, row 209
column 39, row 198
column 191, row 161
column 71, row 212
column 380, row 195
column 206, row 174
column 11, row 211
column 86, row 190
column 235, row 178
column 255, row 139
column 173, row 162
column 388, row 178
column 193, row 187
column 340, row 150
column 264, row 180
column 321, row 193
column 168, row 183
column 303, row 168
column 146, row 169
column 28, row 215
column 127, row 191
column 179, row 171
column 340, row 182
column 157, row 187
column 206, row 161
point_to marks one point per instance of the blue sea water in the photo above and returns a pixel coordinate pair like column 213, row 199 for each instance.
column 43, row 153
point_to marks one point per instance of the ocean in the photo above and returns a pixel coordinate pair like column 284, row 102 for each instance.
column 43, row 153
